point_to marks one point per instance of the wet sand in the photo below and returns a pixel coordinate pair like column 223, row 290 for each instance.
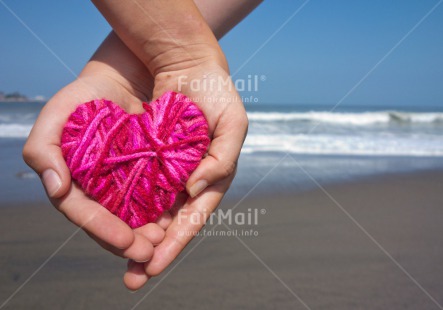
column 308, row 250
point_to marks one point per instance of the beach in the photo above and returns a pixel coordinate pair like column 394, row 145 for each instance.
column 372, row 243
column 329, row 210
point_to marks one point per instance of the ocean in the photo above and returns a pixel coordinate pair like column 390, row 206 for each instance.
column 288, row 148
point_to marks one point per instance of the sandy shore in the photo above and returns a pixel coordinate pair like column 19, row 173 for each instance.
column 307, row 246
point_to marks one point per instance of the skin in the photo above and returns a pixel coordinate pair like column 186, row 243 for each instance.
column 129, row 76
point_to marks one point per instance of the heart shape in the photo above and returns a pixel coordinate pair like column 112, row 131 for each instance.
column 135, row 164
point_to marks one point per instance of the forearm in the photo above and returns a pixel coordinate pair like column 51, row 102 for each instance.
column 162, row 33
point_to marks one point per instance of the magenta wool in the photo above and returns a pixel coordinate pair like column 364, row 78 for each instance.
column 135, row 164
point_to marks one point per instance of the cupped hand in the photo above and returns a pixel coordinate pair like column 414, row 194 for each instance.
column 116, row 74
column 206, row 82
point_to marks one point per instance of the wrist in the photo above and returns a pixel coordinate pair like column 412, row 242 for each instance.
column 181, row 59
column 175, row 50
column 202, row 79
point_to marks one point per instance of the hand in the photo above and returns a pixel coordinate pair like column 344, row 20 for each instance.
column 116, row 74
column 228, row 124
column 121, row 77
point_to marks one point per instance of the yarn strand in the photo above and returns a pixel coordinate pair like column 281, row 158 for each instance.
column 135, row 164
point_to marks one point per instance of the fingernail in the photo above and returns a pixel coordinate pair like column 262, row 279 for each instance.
column 51, row 181
column 197, row 188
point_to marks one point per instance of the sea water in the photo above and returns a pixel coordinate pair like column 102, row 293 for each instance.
column 288, row 147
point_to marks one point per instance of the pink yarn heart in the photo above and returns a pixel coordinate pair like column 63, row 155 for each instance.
column 135, row 164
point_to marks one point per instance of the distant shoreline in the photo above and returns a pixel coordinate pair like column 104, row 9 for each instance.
column 19, row 97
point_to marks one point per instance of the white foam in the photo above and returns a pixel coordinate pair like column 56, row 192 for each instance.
column 14, row 130
column 373, row 145
column 353, row 119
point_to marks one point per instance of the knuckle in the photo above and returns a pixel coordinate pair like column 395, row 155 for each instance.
column 229, row 169
column 28, row 154
column 242, row 119
column 242, row 122
column 246, row 123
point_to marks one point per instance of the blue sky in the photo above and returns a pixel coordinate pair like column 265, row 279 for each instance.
column 320, row 55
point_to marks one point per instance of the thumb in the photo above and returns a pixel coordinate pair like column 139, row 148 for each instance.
column 223, row 153
column 43, row 154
